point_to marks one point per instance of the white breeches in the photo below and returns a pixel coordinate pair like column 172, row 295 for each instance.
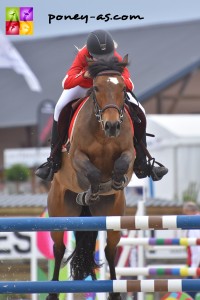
column 66, row 97
column 79, row 92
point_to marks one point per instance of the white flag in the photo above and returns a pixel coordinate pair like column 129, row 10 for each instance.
column 10, row 58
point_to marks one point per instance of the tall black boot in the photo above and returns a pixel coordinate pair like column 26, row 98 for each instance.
column 144, row 168
column 53, row 164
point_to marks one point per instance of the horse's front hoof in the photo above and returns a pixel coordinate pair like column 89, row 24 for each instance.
column 120, row 185
column 117, row 186
column 52, row 297
column 80, row 199
column 87, row 198
column 92, row 199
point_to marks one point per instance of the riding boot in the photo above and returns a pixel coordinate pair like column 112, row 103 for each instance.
column 53, row 164
column 144, row 168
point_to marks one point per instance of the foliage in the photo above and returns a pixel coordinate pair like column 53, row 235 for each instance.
column 191, row 193
column 17, row 173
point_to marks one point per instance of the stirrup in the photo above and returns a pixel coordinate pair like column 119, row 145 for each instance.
column 152, row 170
column 46, row 170
column 149, row 169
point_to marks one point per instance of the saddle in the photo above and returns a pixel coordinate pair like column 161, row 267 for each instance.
column 66, row 117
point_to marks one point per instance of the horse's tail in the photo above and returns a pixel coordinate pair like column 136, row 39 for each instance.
column 83, row 262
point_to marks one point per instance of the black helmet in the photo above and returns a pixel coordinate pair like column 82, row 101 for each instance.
column 100, row 43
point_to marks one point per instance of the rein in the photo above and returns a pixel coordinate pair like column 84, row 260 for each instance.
column 99, row 111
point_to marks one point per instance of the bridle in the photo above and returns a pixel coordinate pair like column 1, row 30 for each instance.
column 98, row 111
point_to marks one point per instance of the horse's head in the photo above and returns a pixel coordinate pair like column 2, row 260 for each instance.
column 109, row 92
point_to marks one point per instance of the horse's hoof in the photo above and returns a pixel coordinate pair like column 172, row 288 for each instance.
column 91, row 199
column 120, row 185
column 80, row 199
column 52, row 297
column 87, row 198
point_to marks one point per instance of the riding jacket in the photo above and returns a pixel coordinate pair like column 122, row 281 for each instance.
column 74, row 76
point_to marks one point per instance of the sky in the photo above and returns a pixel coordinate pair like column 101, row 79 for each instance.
column 150, row 12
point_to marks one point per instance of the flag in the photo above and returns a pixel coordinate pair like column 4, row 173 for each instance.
column 10, row 58
column 45, row 121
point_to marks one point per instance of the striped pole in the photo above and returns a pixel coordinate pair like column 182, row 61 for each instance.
column 99, row 223
column 159, row 241
column 159, row 271
column 100, row 286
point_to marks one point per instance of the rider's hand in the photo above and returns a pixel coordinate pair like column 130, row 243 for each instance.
column 86, row 74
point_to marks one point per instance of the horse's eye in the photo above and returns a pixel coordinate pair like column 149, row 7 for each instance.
column 95, row 88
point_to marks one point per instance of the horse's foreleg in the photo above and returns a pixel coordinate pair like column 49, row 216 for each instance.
column 121, row 166
column 88, row 176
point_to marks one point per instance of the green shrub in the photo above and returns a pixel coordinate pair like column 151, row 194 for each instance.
column 17, row 173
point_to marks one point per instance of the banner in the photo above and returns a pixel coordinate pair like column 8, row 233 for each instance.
column 10, row 58
column 45, row 121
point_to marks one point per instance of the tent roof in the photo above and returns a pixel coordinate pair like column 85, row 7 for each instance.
column 159, row 55
column 178, row 126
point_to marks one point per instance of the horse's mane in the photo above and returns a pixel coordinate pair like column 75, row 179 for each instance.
column 112, row 64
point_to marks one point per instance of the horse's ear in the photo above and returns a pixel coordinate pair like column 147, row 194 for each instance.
column 89, row 60
column 125, row 59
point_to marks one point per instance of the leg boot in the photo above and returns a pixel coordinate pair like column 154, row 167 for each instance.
column 144, row 168
column 53, row 164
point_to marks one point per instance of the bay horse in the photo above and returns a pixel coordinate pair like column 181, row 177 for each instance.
column 95, row 170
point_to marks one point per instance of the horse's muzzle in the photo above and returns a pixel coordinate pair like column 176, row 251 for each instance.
column 112, row 129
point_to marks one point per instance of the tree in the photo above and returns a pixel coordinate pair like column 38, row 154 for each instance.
column 17, row 173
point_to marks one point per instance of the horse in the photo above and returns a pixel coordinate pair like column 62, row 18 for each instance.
column 95, row 170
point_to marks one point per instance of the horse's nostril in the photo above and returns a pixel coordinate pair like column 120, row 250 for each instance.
column 108, row 125
column 118, row 126
column 112, row 128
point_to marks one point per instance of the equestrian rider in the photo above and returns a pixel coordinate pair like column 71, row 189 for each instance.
column 100, row 45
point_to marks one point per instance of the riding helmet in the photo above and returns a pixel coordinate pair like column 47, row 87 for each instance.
column 100, row 43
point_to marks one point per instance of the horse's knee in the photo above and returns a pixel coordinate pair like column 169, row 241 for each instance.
column 121, row 165
column 94, row 176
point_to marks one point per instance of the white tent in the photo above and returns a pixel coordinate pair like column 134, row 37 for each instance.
column 177, row 146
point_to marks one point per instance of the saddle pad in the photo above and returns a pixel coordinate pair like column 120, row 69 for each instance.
column 130, row 120
column 74, row 118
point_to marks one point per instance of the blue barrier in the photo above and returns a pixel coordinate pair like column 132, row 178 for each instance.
column 99, row 223
column 100, row 286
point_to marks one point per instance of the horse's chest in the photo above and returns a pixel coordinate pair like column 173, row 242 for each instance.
column 104, row 156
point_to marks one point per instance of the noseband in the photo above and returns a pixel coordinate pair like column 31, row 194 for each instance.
column 99, row 111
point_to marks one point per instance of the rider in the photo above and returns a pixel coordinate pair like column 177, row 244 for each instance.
column 100, row 45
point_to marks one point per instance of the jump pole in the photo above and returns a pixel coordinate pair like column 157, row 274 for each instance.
column 100, row 286
column 159, row 241
column 158, row 271
column 99, row 223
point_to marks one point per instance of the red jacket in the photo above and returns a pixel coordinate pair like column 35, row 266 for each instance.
column 75, row 77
